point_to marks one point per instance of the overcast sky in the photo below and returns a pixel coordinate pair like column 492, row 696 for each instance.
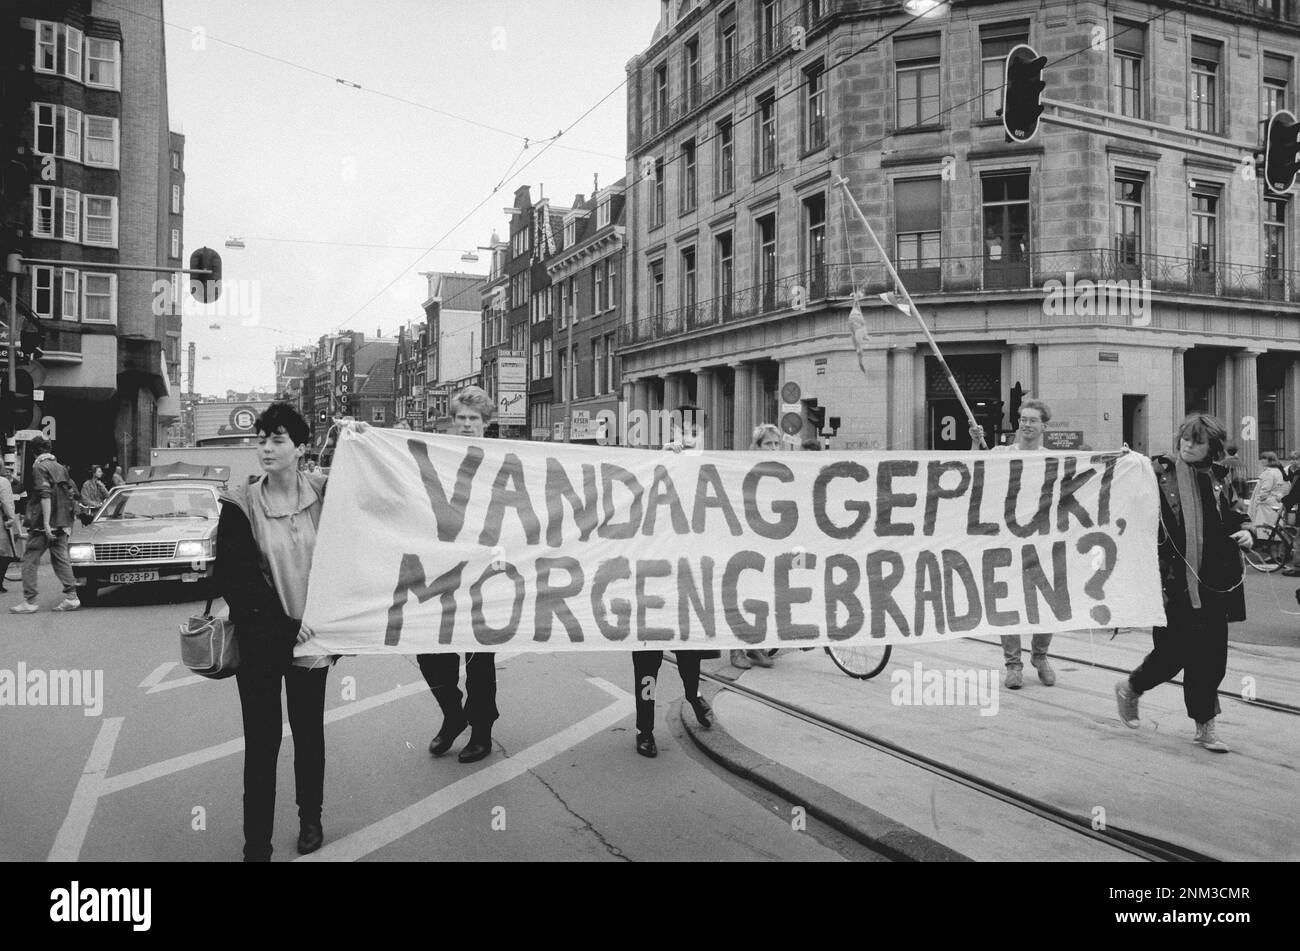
column 280, row 156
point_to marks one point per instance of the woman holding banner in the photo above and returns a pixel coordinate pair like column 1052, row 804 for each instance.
column 8, row 526
column 646, row 663
column 1201, row 535
column 471, row 411
column 265, row 540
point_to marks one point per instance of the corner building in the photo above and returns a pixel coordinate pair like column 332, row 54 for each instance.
column 743, row 255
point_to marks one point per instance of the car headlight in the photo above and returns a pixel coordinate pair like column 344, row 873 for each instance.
column 192, row 549
column 81, row 552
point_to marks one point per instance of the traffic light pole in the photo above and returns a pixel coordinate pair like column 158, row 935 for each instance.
column 1084, row 126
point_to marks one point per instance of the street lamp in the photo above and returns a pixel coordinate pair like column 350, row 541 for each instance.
column 924, row 8
column 234, row 242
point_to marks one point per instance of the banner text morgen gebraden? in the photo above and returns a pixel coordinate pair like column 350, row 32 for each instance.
column 436, row 543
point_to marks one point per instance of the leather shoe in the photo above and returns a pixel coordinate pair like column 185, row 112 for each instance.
column 703, row 712
column 442, row 742
column 475, row 749
column 645, row 745
column 310, row 837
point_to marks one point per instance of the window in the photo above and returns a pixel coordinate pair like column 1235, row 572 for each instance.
column 71, row 214
column 546, row 356
column 688, row 278
column 609, row 363
column 1006, row 229
column 71, row 294
column 767, row 28
column 562, row 365
column 377, row 415
column 661, row 97
column 46, row 47
column 1277, row 73
column 1275, row 246
column 43, row 292
column 176, row 243
column 72, row 52
column 602, row 214
column 724, row 272
column 766, row 228
column 656, row 288
column 566, row 305
column 611, row 281
column 101, row 220
column 573, row 371
column 725, row 157
column 99, row 298
column 1129, row 191
column 42, row 211
column 102, row 63
column 727, row 45
column 71, row 134
column 688, row 176
column 657, row 204
column 814, row 107
column 176, row 161
column 917, row 80
column 176, row 199
column 917, row 225
column 1205, row 237
column 537, row 359
column 812, row 11
column 548, row 304
column 1205, row 77
column 1126, row 67
column 995, row 43
column 598, row 302
column 814, row 245
column 766, row 150
column 691, row 72
column 44, row 137
column 570, row 233
column 598, row 367
column 101, row 141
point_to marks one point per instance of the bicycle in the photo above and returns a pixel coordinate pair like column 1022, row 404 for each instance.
column 1272, row 549
column 859, row 662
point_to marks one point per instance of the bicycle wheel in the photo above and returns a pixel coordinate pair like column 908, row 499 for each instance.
column 861, row 662
column 1271, row 551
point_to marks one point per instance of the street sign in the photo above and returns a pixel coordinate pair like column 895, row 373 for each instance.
column 792, row 424
column 38, row 396
column 790, row 392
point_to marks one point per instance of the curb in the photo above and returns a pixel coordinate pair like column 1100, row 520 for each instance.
column 860, row 823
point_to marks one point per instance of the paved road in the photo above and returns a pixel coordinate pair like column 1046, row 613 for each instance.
column 156, row 774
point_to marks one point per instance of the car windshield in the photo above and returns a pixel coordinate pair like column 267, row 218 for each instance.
column 160, row 502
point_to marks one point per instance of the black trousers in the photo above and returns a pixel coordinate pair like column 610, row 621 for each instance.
column 442, row 674
column 645, row 671
column 259, row 701
column 1195, row 642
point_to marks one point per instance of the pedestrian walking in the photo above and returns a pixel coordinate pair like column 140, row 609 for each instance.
column 1272, row 487
column 93, row 494
column 766, row 438
column 471, row 411
column 8, row 526
column 1236, row 469
column 689, row 434
column 1201, row 537
column 1030, row 427
column 266, row 536
column 51, row 505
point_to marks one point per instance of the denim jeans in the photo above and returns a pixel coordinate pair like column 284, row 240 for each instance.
column 57, row 545
column 1039, row 644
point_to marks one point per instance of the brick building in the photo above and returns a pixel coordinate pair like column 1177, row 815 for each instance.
column 742, row 115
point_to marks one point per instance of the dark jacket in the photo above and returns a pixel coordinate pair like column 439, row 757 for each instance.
column 266, row 634
column 1221, row 562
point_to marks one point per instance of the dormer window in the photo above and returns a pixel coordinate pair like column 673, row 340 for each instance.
column 602, row 213
column 570, row 233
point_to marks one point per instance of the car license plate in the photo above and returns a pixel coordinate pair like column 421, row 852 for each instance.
column 131, row 577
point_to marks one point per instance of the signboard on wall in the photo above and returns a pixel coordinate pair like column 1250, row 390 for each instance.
column 1064, row 439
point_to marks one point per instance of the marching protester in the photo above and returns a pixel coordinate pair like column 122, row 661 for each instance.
column 471, row 411
column 766, row 438
column 689, row 434
column 51, row 505
column 8, row 526
column 1034, row 417
column 1200, row 536
column 1266, row 500
column 93, row 494
column 266, row 537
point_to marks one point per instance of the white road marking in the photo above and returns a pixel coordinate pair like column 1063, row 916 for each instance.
column 154, row 682
column 361, row 843
column 156, row 677
column 72, row 834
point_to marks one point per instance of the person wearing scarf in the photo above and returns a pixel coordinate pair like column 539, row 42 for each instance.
column 1201, row 536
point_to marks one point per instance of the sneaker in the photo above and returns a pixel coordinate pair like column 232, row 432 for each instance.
column 1127, row 699
column 738, row 659
column 1015, row 678
column 24, row 607
column 759, row 658
column 1045, row 672
column 1206, row 737
column 68, row 604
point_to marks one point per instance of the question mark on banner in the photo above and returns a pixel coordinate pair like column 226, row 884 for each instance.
column 1102, row 565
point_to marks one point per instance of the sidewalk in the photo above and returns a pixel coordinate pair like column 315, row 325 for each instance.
column 1064, row 745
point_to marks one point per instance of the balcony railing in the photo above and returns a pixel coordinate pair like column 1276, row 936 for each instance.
column 974, row 274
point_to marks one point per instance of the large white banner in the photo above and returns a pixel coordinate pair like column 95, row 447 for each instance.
column 434, row 543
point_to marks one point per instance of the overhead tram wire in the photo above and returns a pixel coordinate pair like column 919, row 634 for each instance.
column 487, row 198
column 337, row 80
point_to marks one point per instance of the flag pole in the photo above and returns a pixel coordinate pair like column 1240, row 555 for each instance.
column 911, row 306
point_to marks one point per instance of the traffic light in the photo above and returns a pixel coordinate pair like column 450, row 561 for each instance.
column 323, row 416
column 1281, row 152
column 206, row 288
column 1022, row 92
column 16, row 408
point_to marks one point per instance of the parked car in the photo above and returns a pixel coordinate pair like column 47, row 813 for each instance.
column 160, row 526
